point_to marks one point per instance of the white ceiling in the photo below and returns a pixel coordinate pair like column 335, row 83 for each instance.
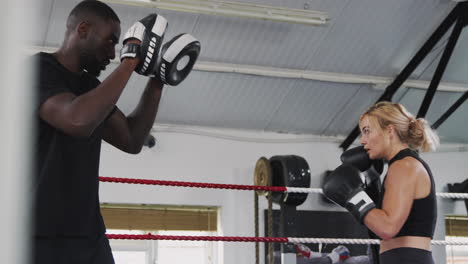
column 370, row 38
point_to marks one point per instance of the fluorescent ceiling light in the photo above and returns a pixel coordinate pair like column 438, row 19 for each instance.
column 236, row 9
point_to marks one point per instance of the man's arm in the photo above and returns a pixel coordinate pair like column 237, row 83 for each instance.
column 80, row 115
column 129, row 133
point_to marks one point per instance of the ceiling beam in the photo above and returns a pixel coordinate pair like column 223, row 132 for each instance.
column 455, row 16
column 439, row 72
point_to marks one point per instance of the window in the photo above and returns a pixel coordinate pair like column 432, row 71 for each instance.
column 183, row 252
column 164, row 251
column 456, row 229
column 162, row 220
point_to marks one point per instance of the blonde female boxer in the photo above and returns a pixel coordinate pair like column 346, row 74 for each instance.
column 406, row 218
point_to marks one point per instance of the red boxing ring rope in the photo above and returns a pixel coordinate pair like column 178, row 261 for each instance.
column 244, row 187
column 200, row 238
column 194, row 184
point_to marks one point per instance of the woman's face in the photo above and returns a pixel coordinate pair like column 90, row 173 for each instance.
column 374, row 139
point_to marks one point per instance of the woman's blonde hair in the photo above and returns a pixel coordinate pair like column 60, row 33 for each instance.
column 415, row 132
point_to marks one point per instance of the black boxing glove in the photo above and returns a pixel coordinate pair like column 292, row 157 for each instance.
column 345, row 187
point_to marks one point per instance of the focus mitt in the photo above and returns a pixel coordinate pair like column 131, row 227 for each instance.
column 177, row 59
column 150, row 32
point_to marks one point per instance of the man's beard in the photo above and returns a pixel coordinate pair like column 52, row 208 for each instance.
column 90, row 64
column 93, row 72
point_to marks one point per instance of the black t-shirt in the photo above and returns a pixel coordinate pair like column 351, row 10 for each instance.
column 66, row 197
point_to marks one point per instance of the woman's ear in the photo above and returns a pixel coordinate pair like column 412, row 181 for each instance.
column 390, row 129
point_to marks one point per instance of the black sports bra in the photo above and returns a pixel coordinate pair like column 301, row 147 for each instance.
column 423, row 215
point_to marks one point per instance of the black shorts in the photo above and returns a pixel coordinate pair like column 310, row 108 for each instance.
column 406, row 255
column 68, row 250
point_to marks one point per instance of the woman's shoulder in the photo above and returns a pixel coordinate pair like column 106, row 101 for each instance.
column 405, row 169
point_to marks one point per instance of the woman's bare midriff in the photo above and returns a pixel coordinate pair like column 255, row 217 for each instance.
column 406, row 241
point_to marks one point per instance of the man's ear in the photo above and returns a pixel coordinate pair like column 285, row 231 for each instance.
column 83, row 29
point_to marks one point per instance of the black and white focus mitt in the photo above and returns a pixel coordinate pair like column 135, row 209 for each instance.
column 150, row 31
column 177, row 59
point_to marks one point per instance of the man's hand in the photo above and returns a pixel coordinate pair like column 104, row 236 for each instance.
column 143, row 40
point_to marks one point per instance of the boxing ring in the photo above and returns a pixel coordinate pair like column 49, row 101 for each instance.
column 278, row 189
column 284, row 180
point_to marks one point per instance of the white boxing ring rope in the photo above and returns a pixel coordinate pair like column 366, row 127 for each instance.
column 318, row 190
